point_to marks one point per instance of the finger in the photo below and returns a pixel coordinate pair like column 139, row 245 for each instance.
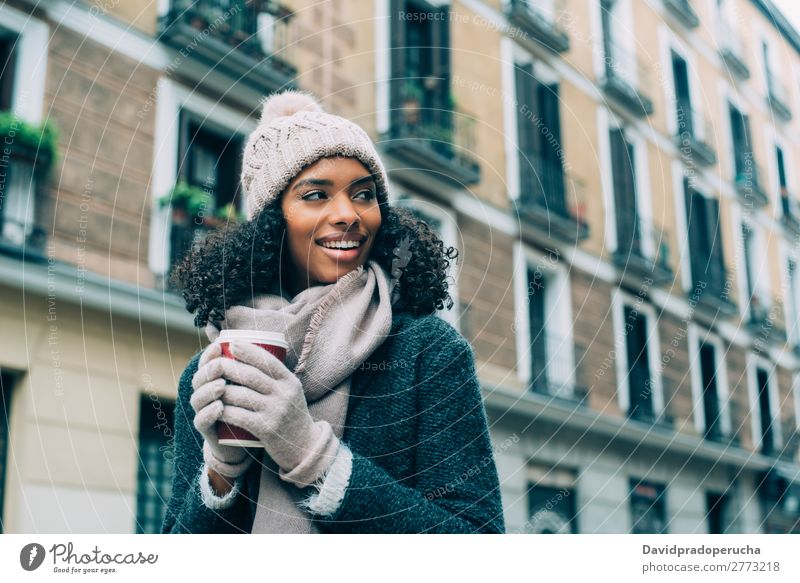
column 240, row 373
column 205, row 419
column 244, row 418
column 212, row 351
column 210, row 371
column 261, row 359
column 246, row 398
column 207, row 393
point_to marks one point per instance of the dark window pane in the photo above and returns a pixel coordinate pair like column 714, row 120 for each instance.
column 551, row 510
column 648, row 509
column 154, row 483
column 6, row 384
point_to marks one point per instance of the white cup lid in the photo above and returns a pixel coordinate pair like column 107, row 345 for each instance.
column 254, row 336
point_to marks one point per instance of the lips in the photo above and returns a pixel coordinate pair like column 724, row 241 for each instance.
column 342, row 255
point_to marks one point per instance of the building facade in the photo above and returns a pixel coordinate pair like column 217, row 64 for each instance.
column 618, row 176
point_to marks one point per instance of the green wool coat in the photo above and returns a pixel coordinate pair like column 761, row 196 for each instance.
column 422, row 457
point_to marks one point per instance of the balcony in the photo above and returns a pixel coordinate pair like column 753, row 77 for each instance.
column 20, row 234
column 748, row 182
column 663, row 420
column 248, row 40
column 539, row 24
column 683, row 11
column 711, row 285
column 431, row 133
column 791, row 440
column 642, row 250
column 777, row 97
column 762, row 323
column 790, row 215
column 626, row 79
column 731, row 437
column 732, row 51
column 561, row 375
column 695, row 137
column 551, row 202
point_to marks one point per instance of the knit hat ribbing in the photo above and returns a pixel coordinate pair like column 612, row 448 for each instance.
column 294, row 132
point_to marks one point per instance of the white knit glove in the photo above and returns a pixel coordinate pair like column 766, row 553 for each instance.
column 267, row 399
column 230, row 461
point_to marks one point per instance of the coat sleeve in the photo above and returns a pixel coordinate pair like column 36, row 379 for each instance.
column 186, row 513
column 457, row 489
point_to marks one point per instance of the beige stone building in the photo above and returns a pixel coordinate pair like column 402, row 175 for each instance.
column 619, row 176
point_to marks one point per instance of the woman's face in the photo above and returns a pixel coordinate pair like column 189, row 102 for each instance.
column 332, row 203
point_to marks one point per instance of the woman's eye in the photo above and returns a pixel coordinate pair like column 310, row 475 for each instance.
column 369, row 193
column 310, row 194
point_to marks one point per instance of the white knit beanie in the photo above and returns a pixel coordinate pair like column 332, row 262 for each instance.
column 294, row 132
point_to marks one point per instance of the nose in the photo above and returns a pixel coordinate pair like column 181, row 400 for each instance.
column 341, row 210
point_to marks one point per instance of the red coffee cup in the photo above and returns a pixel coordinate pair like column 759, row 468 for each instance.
column 273, row 342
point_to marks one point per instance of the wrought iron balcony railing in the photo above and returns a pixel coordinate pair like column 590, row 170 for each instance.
column 250, row 40
column 552, row 198
column 540, row 24
column 732, row 50
column 694, row 137
column 626, row 78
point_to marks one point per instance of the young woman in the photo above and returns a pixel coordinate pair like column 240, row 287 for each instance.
column 374, row 422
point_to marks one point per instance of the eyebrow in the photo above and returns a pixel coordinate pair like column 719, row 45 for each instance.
column 323, row 182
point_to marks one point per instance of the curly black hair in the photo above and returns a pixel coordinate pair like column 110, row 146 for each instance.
column 239, row 260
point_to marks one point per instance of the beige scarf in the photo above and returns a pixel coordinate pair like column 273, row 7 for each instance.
column 331, row 330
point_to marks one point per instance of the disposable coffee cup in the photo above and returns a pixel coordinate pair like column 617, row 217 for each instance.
column 272, row 342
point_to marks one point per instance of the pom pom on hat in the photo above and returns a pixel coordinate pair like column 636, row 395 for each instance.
column 288, row 103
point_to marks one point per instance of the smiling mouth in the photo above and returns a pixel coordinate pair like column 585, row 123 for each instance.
column 343, row 251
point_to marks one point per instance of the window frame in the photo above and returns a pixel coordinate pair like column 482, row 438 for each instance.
column 723, row 387
column 753, row 363
column 619, row 300
column 558, row 318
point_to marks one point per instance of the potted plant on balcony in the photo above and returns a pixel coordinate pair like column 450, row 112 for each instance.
column 189, row 203
column 37, row 144
column 412, row 102
column 229, row 214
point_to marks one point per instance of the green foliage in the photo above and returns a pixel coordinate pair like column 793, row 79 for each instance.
column 39, row 142
column 193, row 199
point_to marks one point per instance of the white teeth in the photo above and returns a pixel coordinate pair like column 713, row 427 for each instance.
column 342, row 244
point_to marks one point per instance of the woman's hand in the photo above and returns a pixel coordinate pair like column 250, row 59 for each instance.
column 267, row 400
column 228, row 461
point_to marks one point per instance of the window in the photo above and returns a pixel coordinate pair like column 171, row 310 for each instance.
column 712, row 412
column 648, row 508
column 633, row 234
column 718, row 512
column 788, row 205
column 421, row 65
column 617, row 40
column 6, row 385
column 542, row 180
column 683, row 99
column 640, row 381
column 742, row 143
column 705, row 242
column 7, row 68
column 16, row 212
column 154, row 483
column 209, row 159
column 793, row 302
column 746, row 175
column 537, row 316
column 551, row 500
column 551, row 349
column 756, row 276
column 767, row 428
